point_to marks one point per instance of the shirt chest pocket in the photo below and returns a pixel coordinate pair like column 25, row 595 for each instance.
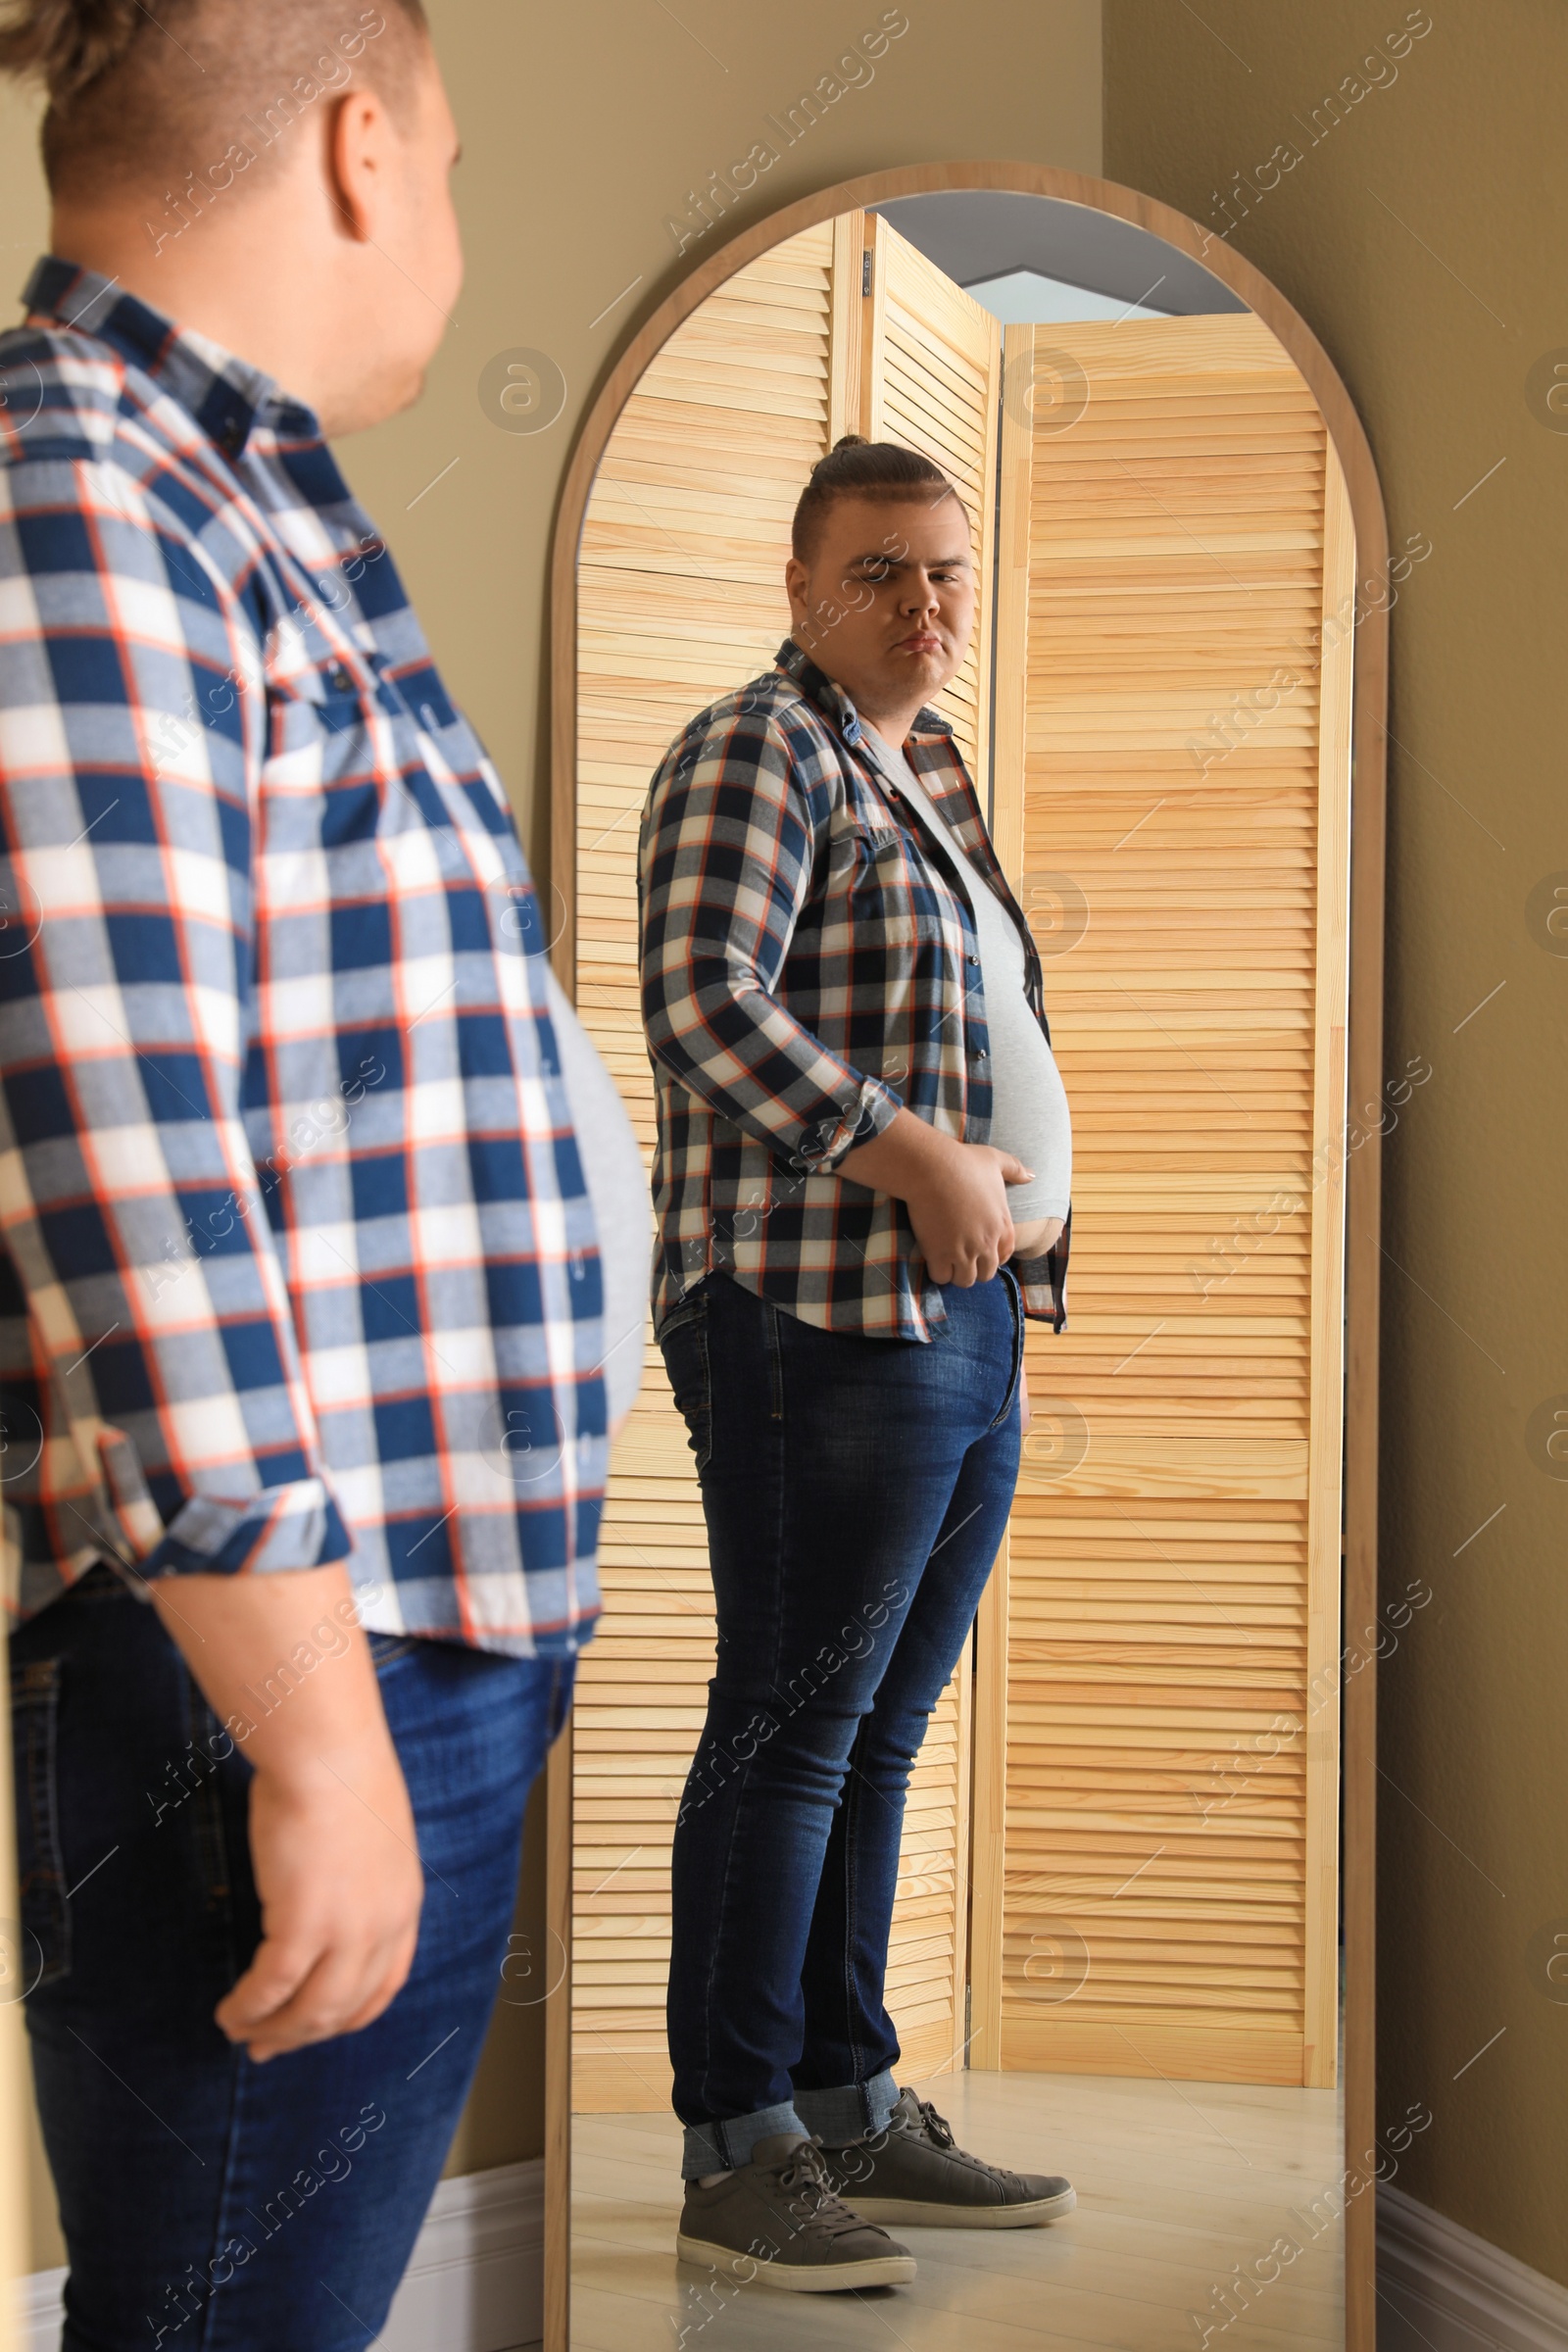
column 317, row 719
column 888, row 891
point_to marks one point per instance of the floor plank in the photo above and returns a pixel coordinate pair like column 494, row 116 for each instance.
column 1180, row 2188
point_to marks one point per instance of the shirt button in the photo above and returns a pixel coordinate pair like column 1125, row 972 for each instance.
column 233, row 436
column 340, row 679
column 973, row 958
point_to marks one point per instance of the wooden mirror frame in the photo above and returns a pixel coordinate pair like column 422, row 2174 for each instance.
column 1364, row 1080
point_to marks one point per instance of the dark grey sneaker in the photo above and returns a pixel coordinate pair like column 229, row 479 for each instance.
column 913, row 2175
column 777, row 2221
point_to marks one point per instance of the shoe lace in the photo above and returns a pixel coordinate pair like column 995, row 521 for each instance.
column 941, row 2131
column 936, row 2126
column 803, row 2175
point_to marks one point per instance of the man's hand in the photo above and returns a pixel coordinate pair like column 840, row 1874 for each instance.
column 955, row 1194
column 960, row 1215
column 334, row 1849
column 337, row 1868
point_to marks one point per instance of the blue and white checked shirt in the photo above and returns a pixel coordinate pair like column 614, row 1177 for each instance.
column 297, row 1263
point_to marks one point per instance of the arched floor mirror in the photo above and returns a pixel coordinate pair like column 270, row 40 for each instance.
column 1134, row 1935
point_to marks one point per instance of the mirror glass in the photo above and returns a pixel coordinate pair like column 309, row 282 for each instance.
column 1116, row 1948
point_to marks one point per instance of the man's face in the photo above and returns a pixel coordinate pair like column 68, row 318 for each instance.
column 886, row 603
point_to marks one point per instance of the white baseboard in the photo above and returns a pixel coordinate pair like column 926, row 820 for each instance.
column 1442, row 2289
column 475, row 2281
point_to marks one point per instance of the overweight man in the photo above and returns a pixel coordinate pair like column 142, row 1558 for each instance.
column 862, row 1188
column 318, row 1220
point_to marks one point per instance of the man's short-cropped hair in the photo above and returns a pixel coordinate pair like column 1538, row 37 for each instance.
column 194, row 97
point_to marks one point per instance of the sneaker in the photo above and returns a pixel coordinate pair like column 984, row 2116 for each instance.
column 777, row 2219
column 914, row 2175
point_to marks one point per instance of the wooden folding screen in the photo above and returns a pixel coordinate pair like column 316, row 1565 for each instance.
column 1157, row 1748
column 681, row 599
column 929, row 372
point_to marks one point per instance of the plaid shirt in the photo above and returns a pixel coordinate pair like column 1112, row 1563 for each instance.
column 296, row 1260
column 809, row 961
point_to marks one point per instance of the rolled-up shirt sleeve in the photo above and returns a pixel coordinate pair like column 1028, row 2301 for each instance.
column 726, row 861
column 146, row 1327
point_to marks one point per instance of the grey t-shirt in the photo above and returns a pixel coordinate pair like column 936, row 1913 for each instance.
column 618, row 1187
column 1029, row 1112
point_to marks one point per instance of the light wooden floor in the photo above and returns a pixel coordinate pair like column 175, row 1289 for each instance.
column 1177, row 2184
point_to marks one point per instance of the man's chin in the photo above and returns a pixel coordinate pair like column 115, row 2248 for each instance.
column 374, row 401
column 926, row 673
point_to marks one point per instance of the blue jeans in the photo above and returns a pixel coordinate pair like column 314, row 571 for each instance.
column 856, row 1492
column 210, row 2204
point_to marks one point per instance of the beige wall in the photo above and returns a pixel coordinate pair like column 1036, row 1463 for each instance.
column 1421, row 236
column 585, row 132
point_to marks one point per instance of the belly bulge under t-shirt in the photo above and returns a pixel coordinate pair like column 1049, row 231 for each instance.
column 1029, row 1112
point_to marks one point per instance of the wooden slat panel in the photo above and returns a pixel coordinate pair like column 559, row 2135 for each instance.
column 681, row 599
column 932, row 364
column 1149, row 1762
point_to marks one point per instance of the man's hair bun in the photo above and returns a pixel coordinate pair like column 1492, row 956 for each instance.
column 856, row 467
column 65, row 45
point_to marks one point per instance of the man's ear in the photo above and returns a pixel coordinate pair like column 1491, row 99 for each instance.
column 358, row 162
column 797, row 582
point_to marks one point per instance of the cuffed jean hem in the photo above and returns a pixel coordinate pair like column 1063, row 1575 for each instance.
column 854, row 2111
column 723, row 2147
